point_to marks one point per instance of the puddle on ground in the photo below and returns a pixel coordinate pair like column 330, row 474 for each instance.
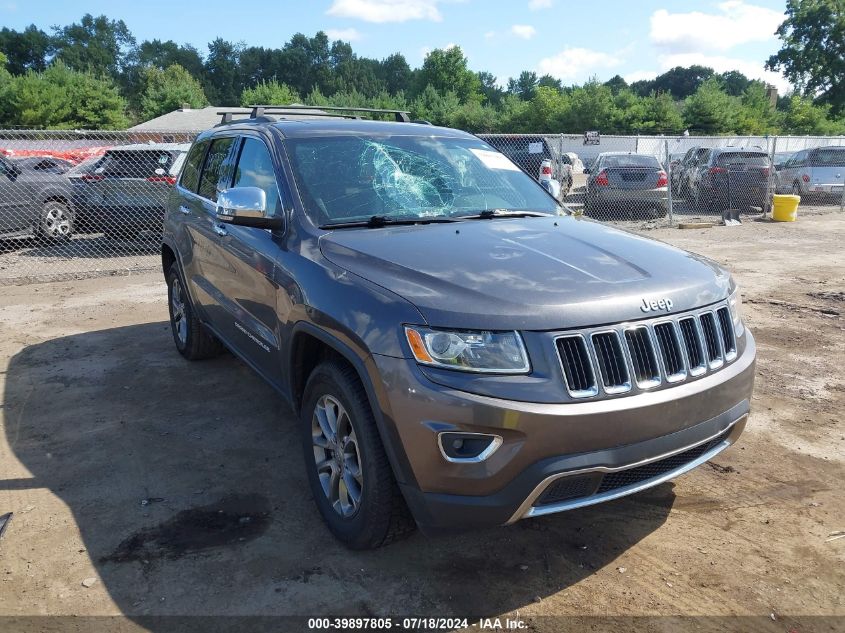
column 229, row 521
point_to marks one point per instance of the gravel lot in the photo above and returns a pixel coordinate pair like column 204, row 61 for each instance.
column 174, row 488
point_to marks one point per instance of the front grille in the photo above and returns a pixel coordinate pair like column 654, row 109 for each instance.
column 613, row 360
column 594, row 483
column 643, row 358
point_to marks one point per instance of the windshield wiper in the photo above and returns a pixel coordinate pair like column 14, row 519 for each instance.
column 489, row 214
column 378, row 221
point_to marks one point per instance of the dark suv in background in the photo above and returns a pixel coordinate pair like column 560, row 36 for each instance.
column 460, row 351
column 529, row 151
column 731, row 178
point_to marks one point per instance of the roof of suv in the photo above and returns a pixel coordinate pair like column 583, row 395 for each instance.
column 335, row 126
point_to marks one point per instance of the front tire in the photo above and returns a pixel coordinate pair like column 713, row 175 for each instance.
column 192, row 339
column 348, row 471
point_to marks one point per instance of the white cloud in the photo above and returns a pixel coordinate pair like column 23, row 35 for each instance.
column 735, row 23
column 721, row 64
column 537, row 5
column 490, row 35
column 381, row 11
column 525, row 31
column 576, row 63
column 347, row 35
column 425, row 50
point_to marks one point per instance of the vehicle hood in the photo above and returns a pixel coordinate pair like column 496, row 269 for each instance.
column 526, row 273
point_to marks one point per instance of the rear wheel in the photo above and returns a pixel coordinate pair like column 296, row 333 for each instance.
column 348, row 471
column 55, row 224
column 192, row 339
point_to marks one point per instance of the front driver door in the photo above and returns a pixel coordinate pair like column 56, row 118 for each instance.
column 243, row 275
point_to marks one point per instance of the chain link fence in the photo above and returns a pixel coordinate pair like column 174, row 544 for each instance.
column 81, row 204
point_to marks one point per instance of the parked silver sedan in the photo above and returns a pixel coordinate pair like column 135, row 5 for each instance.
column 624, row 182
column 817, row 171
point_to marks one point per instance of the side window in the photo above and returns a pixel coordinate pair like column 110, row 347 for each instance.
column 800, row 159
column 191, row 173
column 217, row 154
column 255, row 169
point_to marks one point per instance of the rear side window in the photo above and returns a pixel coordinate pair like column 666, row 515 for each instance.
column 191, row 173
column 828, row 158
column 217, row 154
column 255, row 169
column 132, row 164
column 744, row 158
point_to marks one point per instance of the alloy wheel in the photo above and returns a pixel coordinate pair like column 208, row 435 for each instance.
column 337, row 456
column 56, row 222
column 177, row 311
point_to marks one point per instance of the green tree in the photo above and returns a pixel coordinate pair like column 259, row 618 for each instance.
column 616, row 83
column 547, row 81
column 25, row 50
column 661, row 115
column 709, row 110
column 7, row 87
column 812, row 54
column 802, row 116
column 395, row 73
column 62, row 98
column 222, row 74
column 524, row 86
column 756, row 114
column 169, row 89
column 547, row 112
column 97, row 45
column 269, row 93
column 592, row 108
column 489, row 86
column 446, row 71
column 164, row 54
column 734, row 82
column 434, row 106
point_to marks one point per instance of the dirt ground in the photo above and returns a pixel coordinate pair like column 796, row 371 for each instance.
column 176, row 488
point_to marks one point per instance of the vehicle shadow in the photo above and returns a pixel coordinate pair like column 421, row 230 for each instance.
column 187, row 485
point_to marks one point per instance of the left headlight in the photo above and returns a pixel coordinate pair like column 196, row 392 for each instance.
column 480, row 351
column 735, row 306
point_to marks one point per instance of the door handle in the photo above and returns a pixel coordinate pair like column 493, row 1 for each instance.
column 184, row 209
column 220, row 230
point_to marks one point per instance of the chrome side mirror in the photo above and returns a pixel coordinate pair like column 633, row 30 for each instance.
column 241, row 202
column 246, row 206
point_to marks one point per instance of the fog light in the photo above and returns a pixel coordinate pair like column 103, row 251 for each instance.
column 468, row 447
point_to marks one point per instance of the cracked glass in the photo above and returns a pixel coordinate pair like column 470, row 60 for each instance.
column 348, row 178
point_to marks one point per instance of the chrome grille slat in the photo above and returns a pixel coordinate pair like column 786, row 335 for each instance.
column 712, row 342
column 670, row 350
column 612, row 365
column 692, row 346
column 577, row 366
column 617, row 359
column 643, row 357
column 726, row 327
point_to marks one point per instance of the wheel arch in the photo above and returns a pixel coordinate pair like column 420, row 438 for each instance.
column 311, row 345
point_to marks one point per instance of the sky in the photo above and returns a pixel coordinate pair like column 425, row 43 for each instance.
column 571, row 40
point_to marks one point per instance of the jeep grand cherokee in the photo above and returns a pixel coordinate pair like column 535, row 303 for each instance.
column 461, row 352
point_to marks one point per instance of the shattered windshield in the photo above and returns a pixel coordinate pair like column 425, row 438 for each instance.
column 347, row 178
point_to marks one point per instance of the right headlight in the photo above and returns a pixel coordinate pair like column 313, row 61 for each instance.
column 481, row 351
column 735, row 307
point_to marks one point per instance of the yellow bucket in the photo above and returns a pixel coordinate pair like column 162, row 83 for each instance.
column 785, row 208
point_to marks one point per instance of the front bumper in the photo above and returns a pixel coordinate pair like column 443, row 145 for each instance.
column 545, row 442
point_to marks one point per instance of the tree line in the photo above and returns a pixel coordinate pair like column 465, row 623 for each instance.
column 94, row 74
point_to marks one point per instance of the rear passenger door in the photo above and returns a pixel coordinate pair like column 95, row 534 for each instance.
column 241, row 261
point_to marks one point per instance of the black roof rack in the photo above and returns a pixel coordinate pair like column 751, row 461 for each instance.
column 262, row 112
